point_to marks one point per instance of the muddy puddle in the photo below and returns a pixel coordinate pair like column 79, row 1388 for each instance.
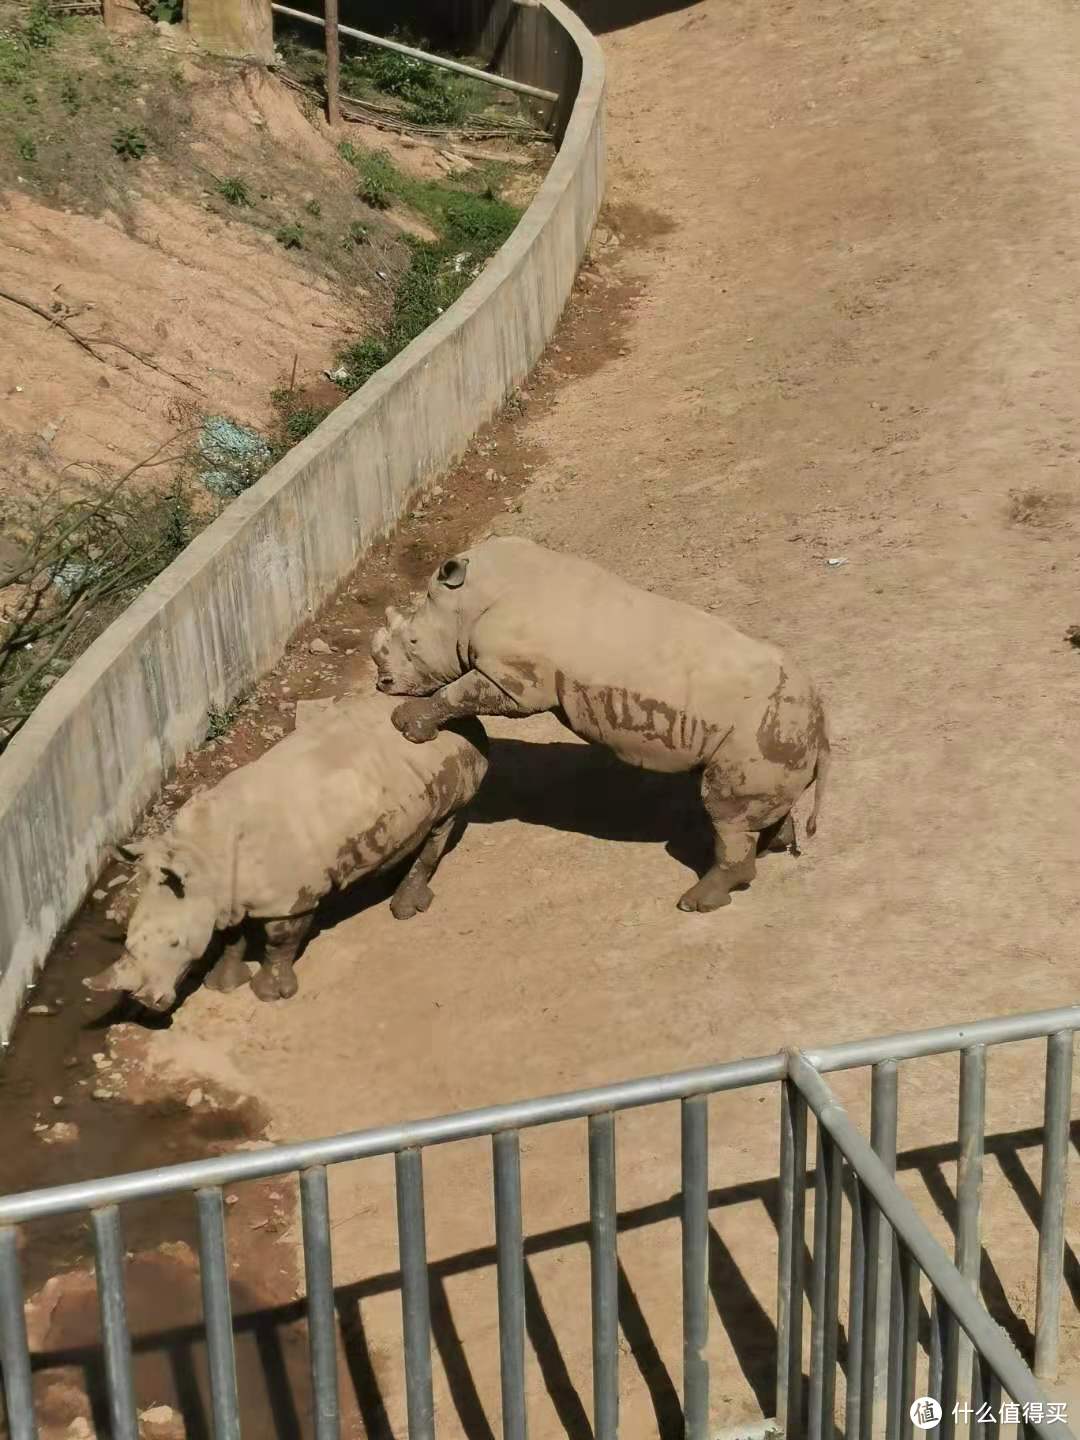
column 63, row 1118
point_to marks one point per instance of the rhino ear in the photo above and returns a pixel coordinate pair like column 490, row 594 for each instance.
column 452, row 573
column 172, row 881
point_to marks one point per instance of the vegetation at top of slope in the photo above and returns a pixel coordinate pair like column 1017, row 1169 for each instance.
column 470, row 225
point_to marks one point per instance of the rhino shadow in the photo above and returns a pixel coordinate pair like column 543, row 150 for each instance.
column 585, row 790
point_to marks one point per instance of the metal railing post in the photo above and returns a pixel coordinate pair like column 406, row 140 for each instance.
column 217, row 1312
column 957, row 1380
column 112, row 1305
column 907, row 1337
column 14, row 1347
column 605, row 1277
column 321, row 1318
column 791, row 1261
column 879, row 1261
column 695, row 1266
column 415, row 1293
column 860, row 1211
column 510, row 1262
column 1055, row 1175
column 825, row 1288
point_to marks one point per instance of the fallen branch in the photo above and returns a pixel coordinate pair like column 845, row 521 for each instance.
column 53, row 320
column 366, row 112
column 88, row 344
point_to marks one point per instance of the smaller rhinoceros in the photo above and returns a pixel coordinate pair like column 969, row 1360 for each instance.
column 342, row 798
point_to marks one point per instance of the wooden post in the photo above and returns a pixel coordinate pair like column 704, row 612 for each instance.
column 333, row 63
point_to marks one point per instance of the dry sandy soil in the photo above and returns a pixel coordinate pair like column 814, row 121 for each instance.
column 849, row 332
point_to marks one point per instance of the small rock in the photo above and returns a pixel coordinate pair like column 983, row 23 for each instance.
column 101, row 1094
column 58, row 1100
column 40, row 1010
column 118, row 880
column 231, row 1199
column 194, row 1098
column 319, row 646
column 158, row 1415
column 837, row 560
column 99, row 894
column 79, row 1429
column 62, row 1133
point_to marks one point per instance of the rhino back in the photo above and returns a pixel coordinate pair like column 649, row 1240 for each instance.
column 342, row 798
column 658, row 681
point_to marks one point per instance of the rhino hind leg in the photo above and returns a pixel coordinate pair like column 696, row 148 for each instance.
column 414, row 895
column 735, row 836
column 276, row 979
column 230, row 972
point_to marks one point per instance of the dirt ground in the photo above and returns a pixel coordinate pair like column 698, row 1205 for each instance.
column 831, row 318
column 136, row 299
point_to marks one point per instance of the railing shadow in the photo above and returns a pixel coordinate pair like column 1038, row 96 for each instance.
column 273, row 1339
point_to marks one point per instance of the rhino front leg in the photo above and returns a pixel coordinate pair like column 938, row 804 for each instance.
column 471, row 694
column 414, row 895
column 276, row 979
column 230, row 972
column 736, row 847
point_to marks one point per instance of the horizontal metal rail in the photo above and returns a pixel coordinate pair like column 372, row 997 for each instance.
column 949, row 1284
column 458, row 68
column 522, row 1114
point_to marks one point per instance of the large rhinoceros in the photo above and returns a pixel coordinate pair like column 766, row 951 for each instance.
column 340, row 799
column 511, row 628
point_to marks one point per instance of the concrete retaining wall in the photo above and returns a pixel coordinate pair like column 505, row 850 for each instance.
column 80, row 773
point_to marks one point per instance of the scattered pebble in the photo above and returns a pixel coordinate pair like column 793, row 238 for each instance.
column 99, row 894
column 319, row 646
column 160, row 1416
column 62, row 1133
column 101, row 1094
column 40, row 1010
column 194, row 1098
column 231, row 1199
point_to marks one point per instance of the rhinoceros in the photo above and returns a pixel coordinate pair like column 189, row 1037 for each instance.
column 340, row 799
column 512, row 628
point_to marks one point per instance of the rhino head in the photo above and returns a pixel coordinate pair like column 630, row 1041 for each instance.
column 171, row 925
column 419, row 653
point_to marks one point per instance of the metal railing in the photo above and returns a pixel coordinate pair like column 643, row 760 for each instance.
column 891, row 1249
column 440, row 62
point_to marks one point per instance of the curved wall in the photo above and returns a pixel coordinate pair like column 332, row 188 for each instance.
column 80, row 773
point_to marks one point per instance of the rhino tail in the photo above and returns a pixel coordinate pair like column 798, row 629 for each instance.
column 821, row 775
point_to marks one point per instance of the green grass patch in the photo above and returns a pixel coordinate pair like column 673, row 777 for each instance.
column 129, row 143
column 470, row 225
column 234, row 191
column 290, row 236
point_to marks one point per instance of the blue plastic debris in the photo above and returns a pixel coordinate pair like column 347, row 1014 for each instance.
column 235, row 456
